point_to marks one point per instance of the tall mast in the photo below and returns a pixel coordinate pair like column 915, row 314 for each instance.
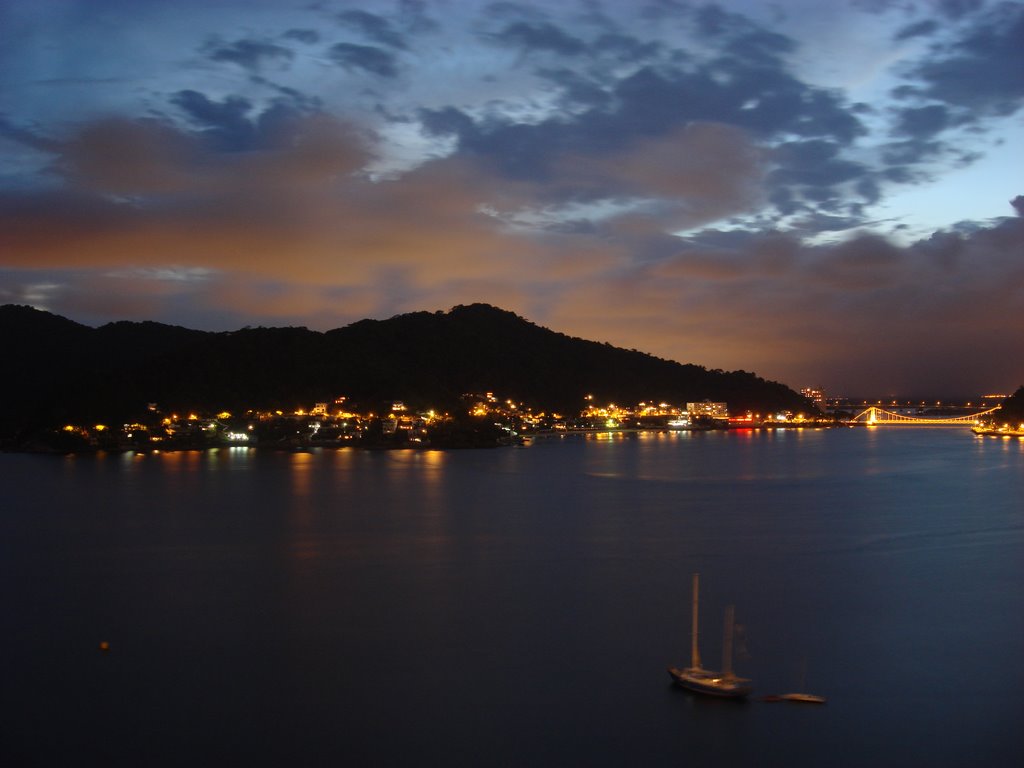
column 694, row 652
column 727, row 642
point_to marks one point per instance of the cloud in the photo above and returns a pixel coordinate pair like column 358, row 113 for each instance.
column 693, row 196
column 144, row 194
column 307, row 36
column 955, row 9
column 693, row 176
column 576, row 88
column 128, row 157
column 751, row 91
column 626, row 48
column 917, row 29
column 538, row 37
column 365, row 57
column 846, row 316
column 235, row 125
column 815, row 166
column 373, row 27
column 26, row 136
column 248, row 54
column 980, row 71
column 226, row 122
column 414, row 16
column 922, row 122
column 167, row 226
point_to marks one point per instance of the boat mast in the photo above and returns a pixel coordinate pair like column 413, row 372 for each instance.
column 694, row 651
column 727, row 642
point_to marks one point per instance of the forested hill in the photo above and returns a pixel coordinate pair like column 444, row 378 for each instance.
column 58, row 370
column 1013, row 409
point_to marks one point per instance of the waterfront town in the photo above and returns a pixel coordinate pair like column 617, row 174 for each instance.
column 486, row 420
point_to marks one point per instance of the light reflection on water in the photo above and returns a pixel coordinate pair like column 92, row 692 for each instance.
column 357, row 607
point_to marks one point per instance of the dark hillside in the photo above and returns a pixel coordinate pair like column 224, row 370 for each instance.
column 61, row 371
column 44, row 357
column 1012, row 411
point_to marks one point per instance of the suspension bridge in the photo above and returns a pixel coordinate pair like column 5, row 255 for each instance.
column 875, row 416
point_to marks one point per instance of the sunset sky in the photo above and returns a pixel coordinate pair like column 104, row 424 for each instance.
column 825, row 193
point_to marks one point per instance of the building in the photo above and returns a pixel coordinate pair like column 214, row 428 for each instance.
column 708, row 409
column 815, row 395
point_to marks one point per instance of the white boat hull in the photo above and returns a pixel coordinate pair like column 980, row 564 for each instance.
column 705, row 681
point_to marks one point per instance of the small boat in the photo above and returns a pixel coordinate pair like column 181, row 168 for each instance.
column 695, row 677
column 803, row 698
column 806, row 698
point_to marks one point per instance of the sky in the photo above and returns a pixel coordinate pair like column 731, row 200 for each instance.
column 826, row 194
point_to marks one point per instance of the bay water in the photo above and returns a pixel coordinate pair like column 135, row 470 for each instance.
column 517, row 606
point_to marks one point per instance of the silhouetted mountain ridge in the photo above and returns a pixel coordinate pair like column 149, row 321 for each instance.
column 1013, row 408
column 65, row 371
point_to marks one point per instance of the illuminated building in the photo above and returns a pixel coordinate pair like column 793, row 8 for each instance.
column 709, row 409
column 815, row 395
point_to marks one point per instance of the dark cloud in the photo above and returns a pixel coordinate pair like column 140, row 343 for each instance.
column 760, row 47
column 249, row 54
column 750, row 88
column 626, row 48
column 917, row 29
column 373, row 27
column 664, row 10
column 291, row 98
column 951, row 9
column 922, row 122
column 981, row 72
column 900, row 154
column 1018, row 204
column 815, row 163
column 899, row 171
column 577, row 88
column 538, row 36
column 883, row 6
column 26, row 136
column 749, row 85
column 365, row 57
column 711, row 20
column 448, row 121
column 505, row 10
column 225, row 123
column 763, row 100
column 869, row 189
column 814, row 223
column 955, row 9
column 415, row 19
column 235, row 125
column 307, row 36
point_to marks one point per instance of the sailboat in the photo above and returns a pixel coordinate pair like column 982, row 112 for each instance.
column 695, row 677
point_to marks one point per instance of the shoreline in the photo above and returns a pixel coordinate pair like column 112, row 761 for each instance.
column 41, row 447
column 994, row 432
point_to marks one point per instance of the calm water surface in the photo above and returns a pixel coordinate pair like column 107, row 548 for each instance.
column 517, row 607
